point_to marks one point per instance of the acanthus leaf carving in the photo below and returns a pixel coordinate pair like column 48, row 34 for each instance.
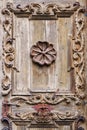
column 42, row 114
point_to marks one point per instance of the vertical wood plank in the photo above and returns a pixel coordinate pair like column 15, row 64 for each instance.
column 63, row 30
column 52, row 37
column 39, row 75
column 22, row 54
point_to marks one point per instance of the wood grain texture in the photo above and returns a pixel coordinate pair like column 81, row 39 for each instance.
column 32, row 76
column 66, row 127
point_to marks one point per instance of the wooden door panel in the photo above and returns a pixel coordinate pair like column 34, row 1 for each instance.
column 43, row 65
column 32, row 76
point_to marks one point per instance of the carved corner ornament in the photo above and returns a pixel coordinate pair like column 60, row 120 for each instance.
column 43, row 53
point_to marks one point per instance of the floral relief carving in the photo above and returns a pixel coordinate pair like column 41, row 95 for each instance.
column 43, row 53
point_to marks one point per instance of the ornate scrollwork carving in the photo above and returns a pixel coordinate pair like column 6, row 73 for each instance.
column 43, row 9
column 43, row 53
column 8, row 52
column 47, row 98
column 78, row 53
column 40, row 117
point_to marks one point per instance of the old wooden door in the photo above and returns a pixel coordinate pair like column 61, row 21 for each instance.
column 43, row 65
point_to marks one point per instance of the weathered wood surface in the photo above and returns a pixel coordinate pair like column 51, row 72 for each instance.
column 26, row 37
column 60, row 128
column 32, row 76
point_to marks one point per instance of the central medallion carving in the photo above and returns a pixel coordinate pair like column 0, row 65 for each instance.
column 43, row 53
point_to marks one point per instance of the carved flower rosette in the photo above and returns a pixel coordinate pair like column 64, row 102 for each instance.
column 43, row 53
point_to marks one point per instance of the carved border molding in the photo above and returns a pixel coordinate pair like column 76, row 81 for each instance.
column 40, row 116
column 8, row 52
column 78, row 45
column 43, row 118
column 47, row 99
column 37, row 9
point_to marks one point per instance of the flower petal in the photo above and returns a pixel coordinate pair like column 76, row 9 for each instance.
column 47, row 61
column 42, row 61
column 42, row 45
column 54, row 57
column 35, row 51
column 45, row 45
column 39, row 59
column 50, row 47
column 52, row 52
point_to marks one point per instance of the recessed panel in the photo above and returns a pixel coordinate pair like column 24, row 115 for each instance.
column 31, row 76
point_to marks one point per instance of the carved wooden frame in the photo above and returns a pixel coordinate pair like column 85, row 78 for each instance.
column 42, row 11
